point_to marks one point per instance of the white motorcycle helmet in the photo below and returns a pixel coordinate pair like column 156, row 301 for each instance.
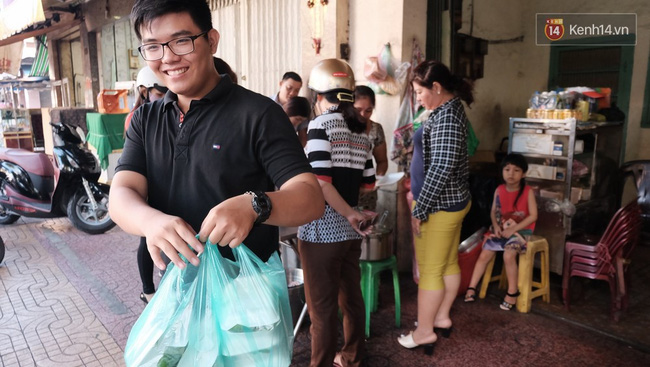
column 147, row 78
column 330, row 75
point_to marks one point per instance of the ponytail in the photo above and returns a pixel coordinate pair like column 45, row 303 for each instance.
column 463, row 89
column 346, row 108
column 522, row 186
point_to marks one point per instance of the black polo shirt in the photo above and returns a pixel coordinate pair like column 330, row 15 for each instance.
column 230, row 141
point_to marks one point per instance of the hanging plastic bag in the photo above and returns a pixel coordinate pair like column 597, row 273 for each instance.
column 221, row 313
column 373, row 71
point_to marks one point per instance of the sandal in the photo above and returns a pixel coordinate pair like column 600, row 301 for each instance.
column 470, row 297
column 506, row 306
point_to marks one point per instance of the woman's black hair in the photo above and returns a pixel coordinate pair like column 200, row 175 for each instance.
column 519, row 161
column 431, row 71
column 223, row 68
column 350, row 114
column 363, row 91
column 298, row 106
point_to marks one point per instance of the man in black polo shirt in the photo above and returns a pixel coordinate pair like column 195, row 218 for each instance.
column 203, row 159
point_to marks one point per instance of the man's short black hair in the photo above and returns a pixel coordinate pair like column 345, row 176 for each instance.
column 145, row 11
column 292, row 75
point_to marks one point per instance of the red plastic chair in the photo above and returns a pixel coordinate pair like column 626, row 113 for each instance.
column 606, row 260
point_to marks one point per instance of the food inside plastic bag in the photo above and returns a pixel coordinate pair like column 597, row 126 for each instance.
column 171, row 357
column 221, row 313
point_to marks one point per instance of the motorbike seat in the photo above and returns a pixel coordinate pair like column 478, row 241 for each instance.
column 36, row 163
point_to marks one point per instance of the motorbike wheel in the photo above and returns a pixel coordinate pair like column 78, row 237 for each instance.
column 84, row 218
column 6, row 218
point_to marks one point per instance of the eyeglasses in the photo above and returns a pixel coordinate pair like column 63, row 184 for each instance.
column 179, row 46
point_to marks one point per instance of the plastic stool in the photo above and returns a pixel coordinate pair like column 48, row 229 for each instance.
column 528, row 287
column 370, row 286
column 488, row 278
column 536, row 244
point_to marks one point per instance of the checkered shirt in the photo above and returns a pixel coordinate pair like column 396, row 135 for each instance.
column 446, row 164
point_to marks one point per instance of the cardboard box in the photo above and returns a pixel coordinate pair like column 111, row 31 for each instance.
column 576, row 193
column 532, row 143
column 541, row 171
column 551, row 194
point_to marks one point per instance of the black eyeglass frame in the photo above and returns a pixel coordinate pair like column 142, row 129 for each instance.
column 162, row 45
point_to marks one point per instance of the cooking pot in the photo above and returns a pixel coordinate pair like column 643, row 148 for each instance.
column 377, row 245
column 296, row 285
column 289, row 255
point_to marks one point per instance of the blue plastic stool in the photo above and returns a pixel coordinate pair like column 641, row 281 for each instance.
column 370, row 286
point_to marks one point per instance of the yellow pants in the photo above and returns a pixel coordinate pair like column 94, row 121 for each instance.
column 436, row 249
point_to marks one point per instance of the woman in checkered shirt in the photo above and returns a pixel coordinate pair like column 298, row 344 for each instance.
column 440, row 186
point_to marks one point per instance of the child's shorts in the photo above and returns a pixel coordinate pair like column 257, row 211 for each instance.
column 516, row 242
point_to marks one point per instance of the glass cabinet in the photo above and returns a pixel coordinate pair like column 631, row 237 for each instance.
column 16, row 128
column 573, row 170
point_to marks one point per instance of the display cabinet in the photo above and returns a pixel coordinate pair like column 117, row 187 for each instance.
column 573, row 170
column 16, row 128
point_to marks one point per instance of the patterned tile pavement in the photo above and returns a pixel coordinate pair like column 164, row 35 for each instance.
column 70, row 299
column 66, row 298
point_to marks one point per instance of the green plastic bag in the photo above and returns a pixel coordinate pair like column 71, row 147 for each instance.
column 221, row 313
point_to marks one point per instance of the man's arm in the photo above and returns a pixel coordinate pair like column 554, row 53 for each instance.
column 298, row 201
column 129, row 209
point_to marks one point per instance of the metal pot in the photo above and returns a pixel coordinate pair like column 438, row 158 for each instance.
column 295, row 283
column 289, row 255
column 378, row 245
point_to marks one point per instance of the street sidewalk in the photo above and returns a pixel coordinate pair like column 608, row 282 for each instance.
column 70, row 299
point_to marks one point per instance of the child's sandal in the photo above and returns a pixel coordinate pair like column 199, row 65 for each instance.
column 470, row 297
column 506, row 306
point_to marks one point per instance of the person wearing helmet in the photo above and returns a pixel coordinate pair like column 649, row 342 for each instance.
column 149, row 89
column 339, row 153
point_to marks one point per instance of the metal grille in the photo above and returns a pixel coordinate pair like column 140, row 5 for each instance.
column 260, row 40
column 218, row 4
column 592, row 67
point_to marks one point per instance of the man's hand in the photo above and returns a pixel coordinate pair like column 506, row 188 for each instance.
column 171, row 235
column 229, row 223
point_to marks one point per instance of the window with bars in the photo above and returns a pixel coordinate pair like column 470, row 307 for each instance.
column 594, row 66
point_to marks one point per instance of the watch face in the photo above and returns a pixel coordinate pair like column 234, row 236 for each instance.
column 262, row 206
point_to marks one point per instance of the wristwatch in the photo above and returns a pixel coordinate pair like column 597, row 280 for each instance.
column 261, row 204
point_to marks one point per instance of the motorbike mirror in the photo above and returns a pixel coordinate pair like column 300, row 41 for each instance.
column 81, row 134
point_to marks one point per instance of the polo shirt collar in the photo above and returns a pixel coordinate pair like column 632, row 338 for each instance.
column 222, row 88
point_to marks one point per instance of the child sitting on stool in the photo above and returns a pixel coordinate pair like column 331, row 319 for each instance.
column 513, row 214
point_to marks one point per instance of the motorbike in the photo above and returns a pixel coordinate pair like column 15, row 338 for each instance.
column 36, row 185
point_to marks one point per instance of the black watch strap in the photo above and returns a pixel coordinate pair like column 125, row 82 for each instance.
column 261, row 205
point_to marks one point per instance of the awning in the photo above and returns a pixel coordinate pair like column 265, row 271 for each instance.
column 41, row 66
column 17, row 15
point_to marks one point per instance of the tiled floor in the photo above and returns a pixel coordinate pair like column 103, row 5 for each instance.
column 68, row 299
